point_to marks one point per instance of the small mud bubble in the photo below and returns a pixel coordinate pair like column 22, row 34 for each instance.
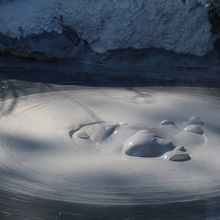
column 195, row 120
column 123, row 123
column 193, row 129
column 181, row 148
column 82, row 135
column 176, row 156
column 167, row 123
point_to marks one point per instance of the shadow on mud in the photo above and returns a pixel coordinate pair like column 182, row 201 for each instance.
column 36, row 208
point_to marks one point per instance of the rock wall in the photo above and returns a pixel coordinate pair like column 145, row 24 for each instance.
column 181, row 26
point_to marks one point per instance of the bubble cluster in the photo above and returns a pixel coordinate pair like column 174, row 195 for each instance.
column 143, row 143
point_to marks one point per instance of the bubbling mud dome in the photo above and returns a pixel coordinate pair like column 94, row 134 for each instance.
column 112, row 146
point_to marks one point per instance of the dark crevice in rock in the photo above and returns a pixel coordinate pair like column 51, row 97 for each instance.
column 6, row 41
column 71, row 35
column 214, row 17
column 47, row 46
column 217, row 45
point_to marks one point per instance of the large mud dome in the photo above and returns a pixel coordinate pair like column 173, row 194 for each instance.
column 112, row 146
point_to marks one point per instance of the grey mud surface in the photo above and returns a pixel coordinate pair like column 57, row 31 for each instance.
column 19, row 80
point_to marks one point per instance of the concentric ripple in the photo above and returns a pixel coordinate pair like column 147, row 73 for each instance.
column 112, row 146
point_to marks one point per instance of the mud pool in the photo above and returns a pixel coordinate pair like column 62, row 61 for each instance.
column 112, row 146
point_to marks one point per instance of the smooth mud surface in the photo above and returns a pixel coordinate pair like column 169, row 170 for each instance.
column 113, row 146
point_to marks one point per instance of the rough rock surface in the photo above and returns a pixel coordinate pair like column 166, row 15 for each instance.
column 179, row 26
